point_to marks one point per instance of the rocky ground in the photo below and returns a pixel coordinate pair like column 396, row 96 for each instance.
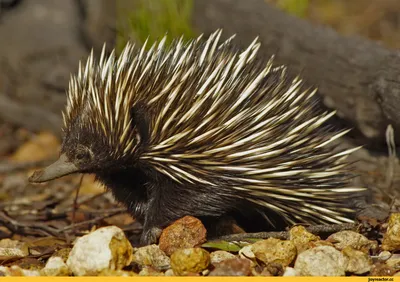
column 49, row 229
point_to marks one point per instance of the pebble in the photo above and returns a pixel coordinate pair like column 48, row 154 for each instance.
column 151, row 256
column 391, row 239
column 358, row 261
column 289, row 271
column 189, row 261
column 121, row 273
column 274, row 250
column 107, row 248
column 232, row 267
column 169, row 272
column 394, row 261
column 247, row 252
column 321, row 261
column 301, row 238
column 273, row 269
column 352, row 239
column 381, row 269
column 55, row 266
column 18, row 271
column 382, row 256
column 62, row 253
column 149, row 271
column 187, row 232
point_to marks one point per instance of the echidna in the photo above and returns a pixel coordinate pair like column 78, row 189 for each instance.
column 203, row 129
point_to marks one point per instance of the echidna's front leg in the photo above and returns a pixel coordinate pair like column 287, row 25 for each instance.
column 155, row 219
column 168, row 202
column 163, row 207
column 150, row 235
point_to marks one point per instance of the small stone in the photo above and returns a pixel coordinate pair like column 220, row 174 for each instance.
column 247, row 252
column 391, row 239
column 274, row 250
column 120, row 273
column 289, row 271
column 394, row 261
column 205, row 272
column 187, row 232
column 384, row 256
column 151, row 255
column 55, row 266
column 301, row 238
column 149, row 271
column 189, row 261
column 62, row 253
column 15, row 270
column 219, row 256
column 275, row 269
column 3, row 271
column 353, row 239
column 381, row 269
column 318, row 243
column 169, row 272
column 358, row 261
column 105, row 248
column 13, row 248
column 321, row 261
column 232, row 267
column 264, row 272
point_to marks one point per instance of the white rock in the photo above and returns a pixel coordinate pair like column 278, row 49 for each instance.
column 384, row 256
column 106, row 248
column 55, row 266
column 247, row 252
column 289, row 271
column 321, row 261
column 3, row 270
column 169, row 272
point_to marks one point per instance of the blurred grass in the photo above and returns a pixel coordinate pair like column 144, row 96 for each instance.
column 153, row 19
column 375, row 19
column 378, row 20
column 295, row 7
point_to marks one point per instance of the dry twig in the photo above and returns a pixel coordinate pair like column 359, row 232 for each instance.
column 284, row 235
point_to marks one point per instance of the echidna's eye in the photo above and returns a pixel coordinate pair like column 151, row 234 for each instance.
column 82, row 154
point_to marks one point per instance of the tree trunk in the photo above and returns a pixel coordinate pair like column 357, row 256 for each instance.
column 357, row 77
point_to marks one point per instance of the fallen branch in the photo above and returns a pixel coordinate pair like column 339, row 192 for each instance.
column 284, row 235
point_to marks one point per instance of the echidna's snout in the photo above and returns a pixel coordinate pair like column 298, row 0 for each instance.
column 63, row 166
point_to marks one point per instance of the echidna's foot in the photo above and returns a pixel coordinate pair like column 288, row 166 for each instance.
column 150, row 236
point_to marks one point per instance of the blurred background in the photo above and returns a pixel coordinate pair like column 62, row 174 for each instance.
column 41, row 42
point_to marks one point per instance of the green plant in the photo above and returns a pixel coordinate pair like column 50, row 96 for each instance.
column 295, row 7
column 152, row 19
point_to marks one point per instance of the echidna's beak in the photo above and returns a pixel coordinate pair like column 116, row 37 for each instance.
column 58, row 169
